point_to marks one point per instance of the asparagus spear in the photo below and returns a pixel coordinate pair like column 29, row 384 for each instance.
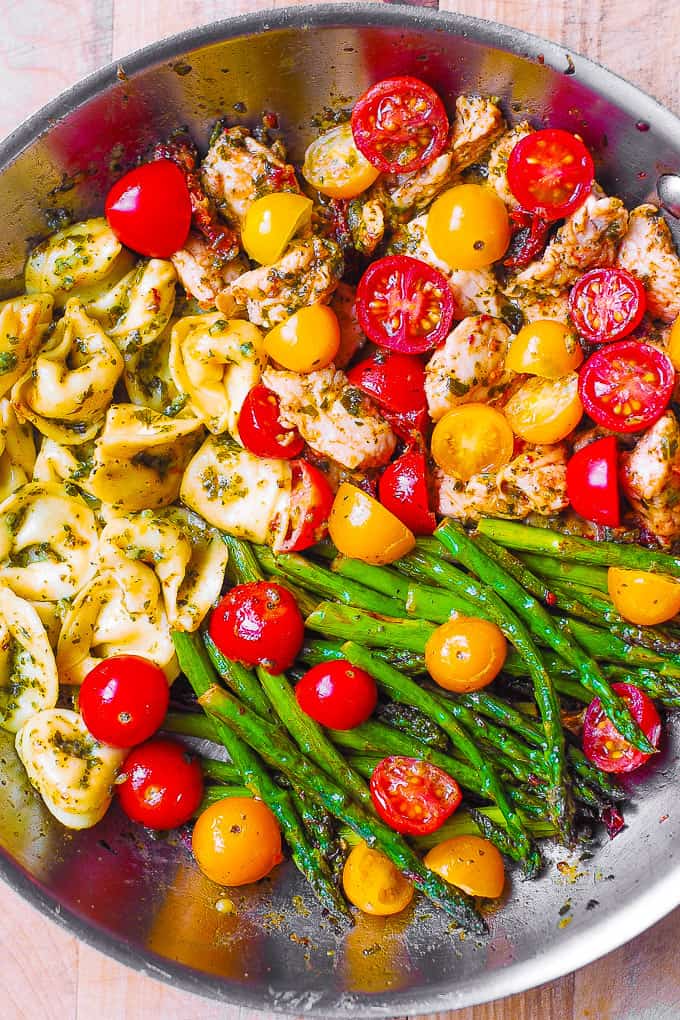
column 241, row 680
column 339, row 621
column 381, row 579
column 581, row 573
column 316, row 650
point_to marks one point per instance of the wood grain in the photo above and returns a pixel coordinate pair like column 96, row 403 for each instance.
column 45, row 46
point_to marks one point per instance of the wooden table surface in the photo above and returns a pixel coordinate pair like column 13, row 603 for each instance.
column 46, row 45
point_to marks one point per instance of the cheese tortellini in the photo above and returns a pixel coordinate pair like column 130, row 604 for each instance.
column 148, row 380
column 138, row 308
column 23, row 324
column 28, row 672
column 17, row 451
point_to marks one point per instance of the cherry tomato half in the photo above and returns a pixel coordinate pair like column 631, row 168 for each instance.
column 413, row 796
column 642, row 597
column 123, row 700
column 373, row 884
column 404, row 304
column 335, row 167
column 468, row 227
column 550, row 172
column 403, row 491
column 472, row 438
column 593, row 484
column 362, row 529
column 259, row 624
column 602, row 742
column 471, row 863
column 626, row 386
column 149, row 209
column 236, row 841
column 162, row 784
column 311, row 500
column 607, row 304
column 261, row 430
column 396, row 383
column 337, row 694
column 465, row 654
column 400, row 125
column 305, row 342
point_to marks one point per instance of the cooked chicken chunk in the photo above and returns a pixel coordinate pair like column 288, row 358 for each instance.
column 238, row 169
column 352, row 339
column 335, row 419
column 534, row 482
column 203, row 272
column 478, row 122
column 587, row 238
column 306, row 274
column 647, row 250
column 498, row 161
column 366, row 222
column 469, row 366
column 651, row 478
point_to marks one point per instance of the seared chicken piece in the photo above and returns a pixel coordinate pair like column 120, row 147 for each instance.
column 366, row 222
column 498, row 161
column 469, row 366
column 535, row 481
column 306, row 274
column 238, row 169
column 352, row 339
column 651, row 478
column 334, row 418
column 589, row 237
column 535, row 307
column 478, row 122
column 647, row 251
column 203, row 272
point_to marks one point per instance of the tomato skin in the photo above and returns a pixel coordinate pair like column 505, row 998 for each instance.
column 363, row 529
column 545, row 348
column 149, row 209
column 271, row 222
column 550, row 172
column 394, row 381
column 337, row 694
column 162, row 786
column 403, row 491
column 373, row 884
column 604, row 746
column 465, row 654
column 124, row 699
column 471, row 863
column 472, row 438
column 396, row 295
column 412, row 796
column 335, row 167
column 400, row 125
column 258, row 624
column 468, row 227
column 643, row 598
column 607, row 304
column 260, row 429
column 236, row 841
column 307, row 341
column 311, row 502
column 633, row 377
column 593, row 484
column 545, row 410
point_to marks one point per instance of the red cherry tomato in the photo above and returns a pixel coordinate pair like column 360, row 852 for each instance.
column 403, row 491
column 593, row 484
column 260, row 429
column 258, row 624
column 413, row 796
column 396, row 383
column 311, row 502
column 337, row 694
column 626, row 385
column 400, row 125
column 123, row 700
column 162, row 784
column 404, row 304
column 550, row 172
column 149, row 209
column 602, row 742
column 607, row 304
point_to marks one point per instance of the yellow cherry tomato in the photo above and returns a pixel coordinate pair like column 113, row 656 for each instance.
column 545, row 410
column 471, row 438
column 236, row 841
column 361, row 528
column 307, row 341
column 642, row 597
column 465, row 654
column 335, row 167
column 471, row 863
column 546, row 348
column 270, row 223
column 673, row 349
column 373, row 884
column 468, row 227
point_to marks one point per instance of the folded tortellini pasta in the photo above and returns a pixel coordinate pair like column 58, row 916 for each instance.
column 24, row 321
column 73, row 772
column 216, row 362
column 17, row 451
column 83, row 261
column 239, row 493
column 28, row 672
column 70, row 385
column 138, row 308
column 148, row 380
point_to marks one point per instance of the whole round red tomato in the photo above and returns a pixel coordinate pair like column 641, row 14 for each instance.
column 626, row 386
column 337, row 694
column 607, row 304
column 311, row 502
column 403, row 491
column 593, row 482
column 149, row 209
column 123, row 700
column 413, row 796
column 162, row 784
column 602, row 742
column 261, row 430
column 396, row 383
column 400, row 125
column 550, row 172
column 404, row 304
column 258, row 624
